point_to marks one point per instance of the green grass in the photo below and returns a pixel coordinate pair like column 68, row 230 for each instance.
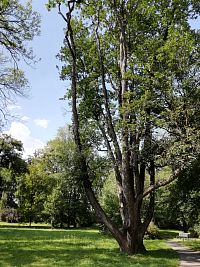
column 168, row 234
column 74, row 248
column 192, row 243
column 24, row 225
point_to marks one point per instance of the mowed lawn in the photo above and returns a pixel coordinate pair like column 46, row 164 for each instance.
column 74, row 248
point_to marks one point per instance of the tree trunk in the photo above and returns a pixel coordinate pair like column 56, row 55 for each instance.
column 30, row 220
column 117, row 234
column 133, row 244
column 184, row 225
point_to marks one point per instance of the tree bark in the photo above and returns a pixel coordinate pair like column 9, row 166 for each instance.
column 133, row 242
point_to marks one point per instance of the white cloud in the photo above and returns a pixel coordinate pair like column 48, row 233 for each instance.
column 42, row 123
column 25, row 118
column 21, row 132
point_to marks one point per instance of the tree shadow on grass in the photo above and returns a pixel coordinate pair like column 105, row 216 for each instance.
column 74, row 248
column 60, row 254
column 162, row 253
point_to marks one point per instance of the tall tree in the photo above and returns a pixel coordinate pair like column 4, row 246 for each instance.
column 18, row 25
column 134, row 72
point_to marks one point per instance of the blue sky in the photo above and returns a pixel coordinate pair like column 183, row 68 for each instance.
column 42, row 113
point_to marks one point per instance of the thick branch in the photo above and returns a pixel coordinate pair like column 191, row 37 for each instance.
column 150, row 210
column 162, row 183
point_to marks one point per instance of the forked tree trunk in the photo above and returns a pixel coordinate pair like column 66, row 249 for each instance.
column 130, row 239
column 130, row 162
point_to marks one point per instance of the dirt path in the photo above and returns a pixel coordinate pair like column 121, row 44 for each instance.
column 188, row 257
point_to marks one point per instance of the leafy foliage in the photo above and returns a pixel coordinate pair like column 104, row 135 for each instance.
column 152, row 232
column 67, row 203
column 32, row 190
column 109, row 200
column 19, row 24
column 11, row 166
column 51, row 190
column 177, row 206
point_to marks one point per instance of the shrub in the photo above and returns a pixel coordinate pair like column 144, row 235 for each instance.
column 194, row 232
column 197, row 229
column 152, row 232
column 9, row 215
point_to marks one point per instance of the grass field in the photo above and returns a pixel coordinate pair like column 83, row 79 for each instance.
column 74, row 248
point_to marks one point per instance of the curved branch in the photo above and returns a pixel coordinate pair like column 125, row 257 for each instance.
column 161, row 183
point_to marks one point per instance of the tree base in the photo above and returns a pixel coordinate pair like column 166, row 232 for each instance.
column 133, row 249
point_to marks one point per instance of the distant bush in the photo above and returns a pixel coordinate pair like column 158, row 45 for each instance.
column 9, row 215
column 152, row 232
column 194, row 232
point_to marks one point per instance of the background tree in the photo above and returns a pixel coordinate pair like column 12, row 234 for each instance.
column 11, row 166
column 178, row 204
column 32, row 190
column 18, row 25
column 67, row 204
column 133, row 67
column 51, row 191
column 109, row 200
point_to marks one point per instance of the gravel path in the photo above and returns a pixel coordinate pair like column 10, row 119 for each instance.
column 188, row 257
